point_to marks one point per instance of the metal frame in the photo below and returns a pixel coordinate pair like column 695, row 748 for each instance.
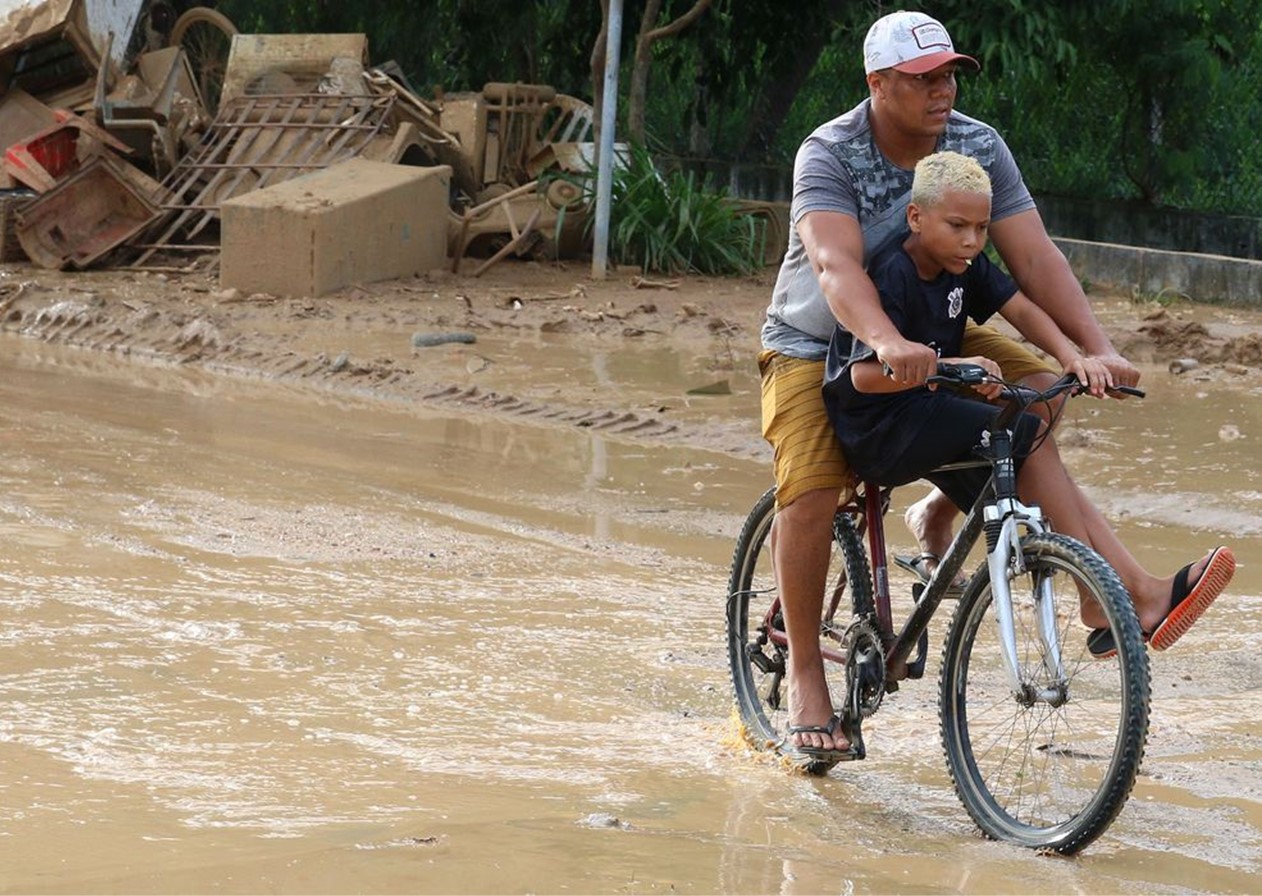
column 254, row 142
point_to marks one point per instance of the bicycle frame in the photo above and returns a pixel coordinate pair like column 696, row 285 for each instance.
column 999, row 514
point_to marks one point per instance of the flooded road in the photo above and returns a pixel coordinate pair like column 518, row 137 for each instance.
column 261, row 638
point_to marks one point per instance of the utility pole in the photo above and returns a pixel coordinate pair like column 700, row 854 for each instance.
column 604, row 156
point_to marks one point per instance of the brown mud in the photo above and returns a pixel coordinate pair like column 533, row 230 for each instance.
column 418, row 587
column 479, row 343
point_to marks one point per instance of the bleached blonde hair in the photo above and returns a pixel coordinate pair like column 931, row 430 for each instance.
column 941, row 171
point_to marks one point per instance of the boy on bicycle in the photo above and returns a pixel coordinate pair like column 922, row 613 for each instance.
column 930, row 277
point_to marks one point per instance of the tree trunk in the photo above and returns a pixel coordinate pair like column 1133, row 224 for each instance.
column 699, row 140
column 598, row 70
column 638, row 92
column 780, row 89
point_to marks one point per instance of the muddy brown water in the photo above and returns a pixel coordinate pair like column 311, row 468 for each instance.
column 258, row 638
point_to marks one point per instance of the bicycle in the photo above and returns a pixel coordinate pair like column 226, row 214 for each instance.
column 1042, row 739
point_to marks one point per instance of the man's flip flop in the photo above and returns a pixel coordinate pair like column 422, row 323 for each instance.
column 1186, row 605
column 919, row 567
column 808, row 756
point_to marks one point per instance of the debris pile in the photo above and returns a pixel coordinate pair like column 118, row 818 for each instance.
column 139, row 133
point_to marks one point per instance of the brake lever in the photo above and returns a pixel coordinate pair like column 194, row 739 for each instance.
column 959, row 374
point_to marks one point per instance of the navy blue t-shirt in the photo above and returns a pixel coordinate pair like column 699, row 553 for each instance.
column 876, row 430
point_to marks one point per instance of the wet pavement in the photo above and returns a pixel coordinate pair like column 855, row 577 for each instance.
column 260, row 638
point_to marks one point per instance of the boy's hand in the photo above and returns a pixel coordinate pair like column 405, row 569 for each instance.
column 989, row 391
column 1092, row 372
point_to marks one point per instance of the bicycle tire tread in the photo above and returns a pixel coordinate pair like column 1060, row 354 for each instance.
column 1133, row 661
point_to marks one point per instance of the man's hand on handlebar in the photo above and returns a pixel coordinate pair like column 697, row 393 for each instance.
column 908, row 363
column 1093, row 373
column 1124, row 373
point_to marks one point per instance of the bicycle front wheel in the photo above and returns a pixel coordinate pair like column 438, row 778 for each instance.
column 757, row 650
column 1048, row 763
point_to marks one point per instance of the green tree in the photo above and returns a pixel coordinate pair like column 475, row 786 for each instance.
column 1170, row 58
column 652, row 31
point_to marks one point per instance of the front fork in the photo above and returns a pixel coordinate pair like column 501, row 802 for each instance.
column 1006, row 521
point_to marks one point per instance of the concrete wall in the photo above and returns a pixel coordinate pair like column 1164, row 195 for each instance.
column 1150, row 272
column 1135, row 224
column 1203, row 278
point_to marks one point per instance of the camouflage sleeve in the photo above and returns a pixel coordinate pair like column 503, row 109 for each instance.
column 1010, row 195
column 820, row 182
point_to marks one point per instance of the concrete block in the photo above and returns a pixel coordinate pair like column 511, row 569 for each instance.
column 1152, row 272
column 355, row 222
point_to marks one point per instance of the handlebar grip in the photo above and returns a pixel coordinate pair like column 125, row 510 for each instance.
column 1129, row 390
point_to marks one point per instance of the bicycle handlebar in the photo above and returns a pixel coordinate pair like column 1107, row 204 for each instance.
column 972, row 374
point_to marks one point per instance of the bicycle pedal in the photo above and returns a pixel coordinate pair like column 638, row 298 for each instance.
column 854, row 734
column 765, row 664
column 916, row 667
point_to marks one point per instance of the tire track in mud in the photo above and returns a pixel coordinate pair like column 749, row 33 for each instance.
column 138, row 331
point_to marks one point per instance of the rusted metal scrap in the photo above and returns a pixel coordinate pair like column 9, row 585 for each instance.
column 256, row 141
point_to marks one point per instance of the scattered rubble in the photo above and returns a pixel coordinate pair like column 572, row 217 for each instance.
column 123, row 146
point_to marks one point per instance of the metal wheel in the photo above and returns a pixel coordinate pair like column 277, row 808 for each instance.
column 758, row 663
column 206, row 36
column 1049, row 764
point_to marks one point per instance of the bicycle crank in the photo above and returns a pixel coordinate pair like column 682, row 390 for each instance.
column 865, row 668
column 865, row 681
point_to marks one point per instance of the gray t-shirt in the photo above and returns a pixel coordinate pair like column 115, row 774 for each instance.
column 839, row 169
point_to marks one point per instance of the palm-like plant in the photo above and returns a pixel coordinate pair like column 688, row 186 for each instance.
column 667, row 223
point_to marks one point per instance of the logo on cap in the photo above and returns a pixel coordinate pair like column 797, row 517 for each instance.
column 910, row 41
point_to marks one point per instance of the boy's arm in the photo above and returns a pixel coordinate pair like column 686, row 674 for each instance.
column 1037, row 326
column 868, row 376
column 1043, row 273
column 834, row 244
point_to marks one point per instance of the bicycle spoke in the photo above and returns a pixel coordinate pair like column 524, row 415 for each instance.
column 1050, row 766
column 761, row 682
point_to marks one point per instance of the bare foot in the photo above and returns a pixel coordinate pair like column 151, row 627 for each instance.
column 929, row 521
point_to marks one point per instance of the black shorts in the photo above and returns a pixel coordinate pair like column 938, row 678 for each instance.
column 952, row 432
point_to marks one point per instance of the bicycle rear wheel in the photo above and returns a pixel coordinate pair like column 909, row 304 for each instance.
column 206, row 36
column 1052, row 772
column 755, row 626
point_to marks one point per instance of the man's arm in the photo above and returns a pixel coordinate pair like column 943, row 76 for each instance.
column 834, row 244
column 1044, row 275
column 1036, row 325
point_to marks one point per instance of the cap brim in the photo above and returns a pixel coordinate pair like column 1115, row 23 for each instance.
column 928, row 63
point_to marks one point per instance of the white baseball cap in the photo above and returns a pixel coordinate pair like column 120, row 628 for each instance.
column 911, row 42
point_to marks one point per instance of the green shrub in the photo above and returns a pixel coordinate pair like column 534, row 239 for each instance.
column 666, row 222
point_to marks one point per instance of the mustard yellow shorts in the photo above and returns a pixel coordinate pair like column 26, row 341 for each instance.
column 806, row 453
